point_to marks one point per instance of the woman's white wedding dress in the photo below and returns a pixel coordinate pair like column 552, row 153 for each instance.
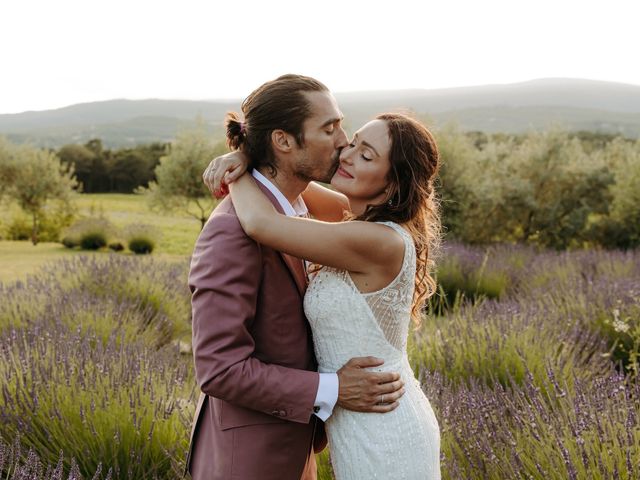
column 402, row 444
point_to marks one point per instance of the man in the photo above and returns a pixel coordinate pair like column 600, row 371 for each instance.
column 261, row 411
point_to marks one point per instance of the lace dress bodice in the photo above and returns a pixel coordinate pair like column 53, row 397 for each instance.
column 383, row 316
column 347, row 323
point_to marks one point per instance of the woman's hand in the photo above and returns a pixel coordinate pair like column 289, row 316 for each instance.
column 223, row 171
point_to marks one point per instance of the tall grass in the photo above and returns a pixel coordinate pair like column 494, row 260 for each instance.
column 590, row 431
column 119, row 404
column 142, row 296
column 501, row 342
column 530, row 362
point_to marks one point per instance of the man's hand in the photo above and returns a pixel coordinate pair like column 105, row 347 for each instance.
column 364, row 391
column 224, row 170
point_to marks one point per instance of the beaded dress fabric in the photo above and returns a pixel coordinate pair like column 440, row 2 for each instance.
column 402, row 444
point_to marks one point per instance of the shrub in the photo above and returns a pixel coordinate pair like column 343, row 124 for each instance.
column 491, row 432
column 524, row 385
column 92, row 240
column 15, row 465
column 120, row 404
column 472, row 273
column 500, row 341
column 19, row 229
column 70, row 242
column 49, row 227
column 135, row 297
column 141, row 238
column 141, row 245
column 116, row 246
column 89, row 233
column 597, row 290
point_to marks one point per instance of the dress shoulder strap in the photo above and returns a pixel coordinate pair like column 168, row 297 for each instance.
column 406, row 235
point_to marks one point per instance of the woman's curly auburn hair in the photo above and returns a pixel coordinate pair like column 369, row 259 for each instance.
column 411, row 199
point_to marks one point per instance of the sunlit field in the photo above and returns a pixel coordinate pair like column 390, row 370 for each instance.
column 178, row 233
column 522, row 195
column 529, row 359
column 179, row 230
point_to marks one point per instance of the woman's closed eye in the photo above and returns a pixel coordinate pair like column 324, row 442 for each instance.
column 362, row 155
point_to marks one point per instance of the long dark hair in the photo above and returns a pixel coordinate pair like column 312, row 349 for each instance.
column 278, row 104
column 411, row 199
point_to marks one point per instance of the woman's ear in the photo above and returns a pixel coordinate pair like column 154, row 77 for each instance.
column 281, row 141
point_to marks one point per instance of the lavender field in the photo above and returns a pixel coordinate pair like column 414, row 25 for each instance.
column 530, row 360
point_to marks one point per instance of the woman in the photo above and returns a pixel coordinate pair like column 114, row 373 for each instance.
column 372, row 278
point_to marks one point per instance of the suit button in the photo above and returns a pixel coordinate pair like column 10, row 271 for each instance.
column 279, row 413
column 316, row 409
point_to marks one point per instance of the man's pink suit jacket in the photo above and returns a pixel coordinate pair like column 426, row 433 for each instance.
column 253, row 357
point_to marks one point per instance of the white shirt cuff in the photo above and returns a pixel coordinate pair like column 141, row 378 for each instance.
column 327, row 395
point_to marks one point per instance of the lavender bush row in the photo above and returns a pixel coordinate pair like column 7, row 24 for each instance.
column 16, row 465
column 119, row 404
column 501, row 341
column 522, row 271
column 86, row 369
column 590, row 431
column 608, row 306
column 143, row 296
column 596, row 291
column 475, row 271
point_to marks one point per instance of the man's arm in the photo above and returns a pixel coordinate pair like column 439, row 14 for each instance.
column 224, row 280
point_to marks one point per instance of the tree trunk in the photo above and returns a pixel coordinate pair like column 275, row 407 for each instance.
column 34, row 230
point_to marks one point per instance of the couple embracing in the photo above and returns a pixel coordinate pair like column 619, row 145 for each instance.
column 303, row 296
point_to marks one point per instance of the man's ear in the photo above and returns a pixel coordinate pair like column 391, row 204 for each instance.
column 282, row 141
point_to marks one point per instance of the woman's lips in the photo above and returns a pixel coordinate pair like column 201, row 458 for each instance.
column 343, row 173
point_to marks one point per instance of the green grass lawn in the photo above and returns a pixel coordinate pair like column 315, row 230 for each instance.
column 179, row 232
column 18, row 259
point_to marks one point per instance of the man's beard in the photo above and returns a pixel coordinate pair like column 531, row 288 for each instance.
column 307, row 173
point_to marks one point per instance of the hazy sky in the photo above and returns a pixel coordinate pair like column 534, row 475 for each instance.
column 59, row 52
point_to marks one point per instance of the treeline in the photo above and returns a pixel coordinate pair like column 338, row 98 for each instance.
column 553, row 189
column 102, row 170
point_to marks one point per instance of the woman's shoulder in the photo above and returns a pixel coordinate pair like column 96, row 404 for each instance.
column 397, row 227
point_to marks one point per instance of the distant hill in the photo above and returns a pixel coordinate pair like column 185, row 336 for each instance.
column 570, row 103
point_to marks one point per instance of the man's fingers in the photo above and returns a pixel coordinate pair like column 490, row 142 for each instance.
column 387, row 407
column 207, row 177
column 392, row 397
column 387, row 388
column 384, row 377
column 233, row 175
column 384, row 398
column 217, row 178
column 365, row 362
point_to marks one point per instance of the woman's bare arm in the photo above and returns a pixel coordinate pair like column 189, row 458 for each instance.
column 361, row 247
column 325, row 204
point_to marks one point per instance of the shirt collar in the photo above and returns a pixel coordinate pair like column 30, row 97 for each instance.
column 298, row 209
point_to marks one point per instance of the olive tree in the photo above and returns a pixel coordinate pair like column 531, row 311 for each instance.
column 34, row 179
column 178, row 182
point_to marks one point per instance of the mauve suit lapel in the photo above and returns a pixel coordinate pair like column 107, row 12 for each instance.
column 295, row 265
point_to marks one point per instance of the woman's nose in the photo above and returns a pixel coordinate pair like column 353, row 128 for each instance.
column 345, row 155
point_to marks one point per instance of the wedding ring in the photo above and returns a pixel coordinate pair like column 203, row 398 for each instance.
column 382, row 399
